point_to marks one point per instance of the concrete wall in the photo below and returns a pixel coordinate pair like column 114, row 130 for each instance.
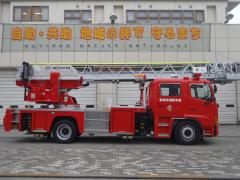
column 0, row 11
column 223, row 44
column 5, row 12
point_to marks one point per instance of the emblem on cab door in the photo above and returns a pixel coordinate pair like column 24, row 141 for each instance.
column 169, row 108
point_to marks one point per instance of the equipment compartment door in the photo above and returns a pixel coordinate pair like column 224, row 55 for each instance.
column 39, row 120
column 122, row 121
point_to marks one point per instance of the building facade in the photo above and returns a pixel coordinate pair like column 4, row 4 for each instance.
column 145, row 32
column 213, row 11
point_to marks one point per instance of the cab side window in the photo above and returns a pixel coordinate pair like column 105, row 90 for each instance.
column 170, row 90
column 200, row 91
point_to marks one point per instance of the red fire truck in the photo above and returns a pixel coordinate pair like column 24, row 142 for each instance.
column 180, row 108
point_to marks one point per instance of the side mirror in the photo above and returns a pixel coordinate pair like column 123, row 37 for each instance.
column 213, row 98
column 215, row 88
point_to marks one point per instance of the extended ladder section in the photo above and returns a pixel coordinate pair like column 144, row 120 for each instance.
column 218, row 72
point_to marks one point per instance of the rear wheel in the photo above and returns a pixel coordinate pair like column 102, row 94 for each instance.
column 187, row 133
column 64, row 131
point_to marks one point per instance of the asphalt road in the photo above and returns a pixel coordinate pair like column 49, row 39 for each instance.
column 111, row 157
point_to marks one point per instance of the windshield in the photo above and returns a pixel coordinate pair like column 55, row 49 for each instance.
column 200, row 91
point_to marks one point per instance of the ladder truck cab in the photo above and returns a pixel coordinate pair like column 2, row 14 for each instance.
column 180, row 108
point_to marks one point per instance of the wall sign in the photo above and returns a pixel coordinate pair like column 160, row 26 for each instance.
column 106, row 37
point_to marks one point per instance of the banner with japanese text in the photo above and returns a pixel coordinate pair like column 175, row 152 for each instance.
column 48, row 37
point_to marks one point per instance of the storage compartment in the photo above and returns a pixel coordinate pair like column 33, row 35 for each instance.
column 96, row 121
column 26, row 121
column 122, row 120
column 39, row 121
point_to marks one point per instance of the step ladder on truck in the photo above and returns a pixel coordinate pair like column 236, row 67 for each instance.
column 181, row 108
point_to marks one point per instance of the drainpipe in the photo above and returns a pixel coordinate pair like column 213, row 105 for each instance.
column 238, row 101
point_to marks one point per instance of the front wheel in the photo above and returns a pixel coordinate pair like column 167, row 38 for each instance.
column 64, row 131
column 187, row 133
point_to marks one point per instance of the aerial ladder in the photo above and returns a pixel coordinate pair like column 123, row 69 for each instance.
column 50, row 84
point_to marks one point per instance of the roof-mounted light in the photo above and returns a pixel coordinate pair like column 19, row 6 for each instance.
column 196, row 76
column 140, row 77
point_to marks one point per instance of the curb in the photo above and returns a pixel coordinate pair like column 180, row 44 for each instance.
column 53, row 176
column 140, row 175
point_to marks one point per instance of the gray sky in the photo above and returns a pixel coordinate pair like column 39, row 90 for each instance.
column 236, row 13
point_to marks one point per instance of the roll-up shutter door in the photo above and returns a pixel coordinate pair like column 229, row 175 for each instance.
column 227, row 100
column 127, row 93
column 10, row 94
column 85, row 96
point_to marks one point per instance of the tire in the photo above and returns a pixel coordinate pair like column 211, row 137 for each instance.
column 64, row 131
column 187, row 133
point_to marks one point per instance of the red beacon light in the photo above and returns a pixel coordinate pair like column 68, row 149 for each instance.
column 198, row 72
column 196, row 76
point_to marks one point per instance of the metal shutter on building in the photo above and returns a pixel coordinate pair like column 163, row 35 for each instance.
column 227, row 100
column 10, row 94
column 127, row 93
column 85, row 96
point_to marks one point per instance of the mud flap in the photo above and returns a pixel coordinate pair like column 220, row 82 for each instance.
column 7, row 119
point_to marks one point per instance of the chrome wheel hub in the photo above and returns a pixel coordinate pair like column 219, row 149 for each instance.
column 64, row 132
column 188, row 133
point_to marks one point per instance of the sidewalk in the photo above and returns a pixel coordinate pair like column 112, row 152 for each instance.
column 229, row 130
column 112, row 157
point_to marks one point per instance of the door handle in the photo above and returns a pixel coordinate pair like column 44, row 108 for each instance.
column 206, row 103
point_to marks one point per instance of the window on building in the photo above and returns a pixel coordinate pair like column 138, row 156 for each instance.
column 170, row 90
column 165, row 16
column 188, row 17
column 30, row 13
column 199, row 16
column 77, row 16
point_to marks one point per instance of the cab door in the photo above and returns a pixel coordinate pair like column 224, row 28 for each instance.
column 202, row 102
column 170, row 101
column 169, row 106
